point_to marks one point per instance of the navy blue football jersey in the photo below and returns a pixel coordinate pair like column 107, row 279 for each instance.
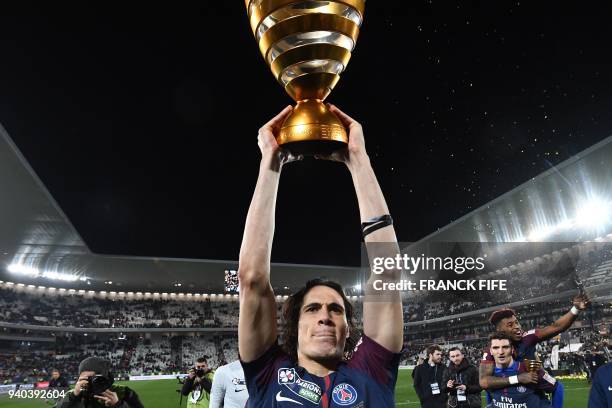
column 366, row 380
column 515, row 396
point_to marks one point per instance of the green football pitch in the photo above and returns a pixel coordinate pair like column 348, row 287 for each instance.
column 162, row 394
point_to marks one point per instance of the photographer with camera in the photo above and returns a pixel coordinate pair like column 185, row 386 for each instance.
column 197, row 385
column 95, row 388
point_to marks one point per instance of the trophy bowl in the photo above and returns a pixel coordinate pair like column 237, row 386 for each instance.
column 307, row 44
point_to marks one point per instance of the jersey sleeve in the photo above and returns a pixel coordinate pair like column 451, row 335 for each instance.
column 258, row 374
column 376, row 361
column 531, row 337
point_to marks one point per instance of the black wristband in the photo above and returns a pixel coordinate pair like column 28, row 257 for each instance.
column 374, row 224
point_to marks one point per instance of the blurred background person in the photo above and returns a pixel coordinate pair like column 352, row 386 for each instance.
column 228, row 387
column 461, row 382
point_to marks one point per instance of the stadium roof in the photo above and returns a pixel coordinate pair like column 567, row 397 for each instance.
column 39, row 246
column 571, row 202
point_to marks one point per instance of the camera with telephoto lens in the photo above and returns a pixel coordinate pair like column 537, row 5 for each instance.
column 199, row 372
column 97, row 384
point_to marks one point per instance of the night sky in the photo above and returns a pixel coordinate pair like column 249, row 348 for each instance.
column 142, row 122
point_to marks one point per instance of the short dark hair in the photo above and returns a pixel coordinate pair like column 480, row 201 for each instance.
column 291, row 317
column 455, row 349
column 55, row 370
column 432, row 349
column 500, row 336
column 498, row 315
column 201, row 360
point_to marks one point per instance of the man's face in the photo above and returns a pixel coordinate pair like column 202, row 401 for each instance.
column 55, row 375
column 456, row 357
column 322, row 328
column 201, row 366
column 501, row 351
column 512, row 327
column 436, row 357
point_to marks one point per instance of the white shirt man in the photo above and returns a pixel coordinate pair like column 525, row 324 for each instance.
column 229, row 389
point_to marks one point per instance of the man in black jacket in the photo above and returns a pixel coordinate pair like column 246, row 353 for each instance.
column 57, row 380
column 461, row 382
column 428, row 379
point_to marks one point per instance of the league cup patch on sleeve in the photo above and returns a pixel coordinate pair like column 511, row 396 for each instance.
column 286, row 376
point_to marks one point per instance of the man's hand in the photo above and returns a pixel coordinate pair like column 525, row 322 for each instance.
column 462, row 387
column 581, row 301
column 356, row 150
column 450, row 384
column 529, row 377
column 191, row 374
column 80, row 385
column 266, row 140
column 109, row 398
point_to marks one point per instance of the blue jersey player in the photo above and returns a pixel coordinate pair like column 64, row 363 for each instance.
column 322, row 362
column 520, row 393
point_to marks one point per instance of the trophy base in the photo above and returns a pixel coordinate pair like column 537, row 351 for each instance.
column 312, row 129
column 314, row 147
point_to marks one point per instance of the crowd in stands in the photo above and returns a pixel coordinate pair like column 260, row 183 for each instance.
column 526, row 280
column 136, row 355
column 33, row 362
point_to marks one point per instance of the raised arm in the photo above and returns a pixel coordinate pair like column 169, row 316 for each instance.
column 382, row 312
column 257, row 321
column 563, row 323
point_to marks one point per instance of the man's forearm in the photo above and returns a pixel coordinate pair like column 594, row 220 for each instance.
column 372, row 204
column 259, row 228
column 369, row 195
column 559, row 326
column 564, row 322
column 493, row 383
column 487, row 380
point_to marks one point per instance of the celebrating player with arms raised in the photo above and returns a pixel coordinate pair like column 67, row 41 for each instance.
column 313, row 367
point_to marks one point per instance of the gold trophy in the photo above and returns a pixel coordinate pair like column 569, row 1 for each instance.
column 307, row 45
column 532, row 365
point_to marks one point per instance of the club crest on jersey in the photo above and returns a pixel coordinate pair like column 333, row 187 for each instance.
column 344, row 394
column 521, row 389
column 286, row 376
